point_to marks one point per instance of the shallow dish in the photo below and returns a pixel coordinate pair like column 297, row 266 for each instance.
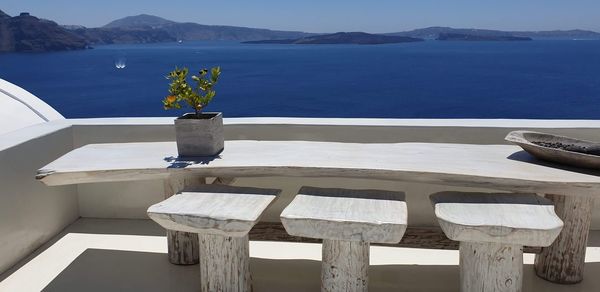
column 560, row 149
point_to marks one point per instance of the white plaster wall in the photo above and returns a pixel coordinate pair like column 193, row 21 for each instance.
column 30, row 212
column 130, row 199
column 20, row 109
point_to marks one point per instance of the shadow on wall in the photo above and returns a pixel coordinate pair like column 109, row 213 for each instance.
column 112, row 270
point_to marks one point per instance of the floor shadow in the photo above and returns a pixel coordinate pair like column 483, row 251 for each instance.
column 113, row 270
column 304, row 275
column 95, row 226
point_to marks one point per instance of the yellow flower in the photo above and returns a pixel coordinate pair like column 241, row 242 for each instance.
column 171, row 98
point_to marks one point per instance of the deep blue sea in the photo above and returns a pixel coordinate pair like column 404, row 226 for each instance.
column 537, row 79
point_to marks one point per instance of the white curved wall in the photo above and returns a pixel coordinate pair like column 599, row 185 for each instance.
column 19, row 108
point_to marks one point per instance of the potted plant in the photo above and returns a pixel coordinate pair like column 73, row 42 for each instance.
column 198, row 133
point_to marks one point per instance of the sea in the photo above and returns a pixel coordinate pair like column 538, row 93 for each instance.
column 540, row 79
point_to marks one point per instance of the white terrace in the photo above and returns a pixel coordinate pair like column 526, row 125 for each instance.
column 96, row 236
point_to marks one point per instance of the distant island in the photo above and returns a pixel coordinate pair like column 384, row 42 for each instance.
column 26, row 33
column 153, row 29
column 434, row 32
column 359, row 38
column 479, row 38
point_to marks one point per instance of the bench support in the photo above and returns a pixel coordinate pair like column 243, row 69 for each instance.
column 490, row 267
column 225, row 263
column 345, row 266
column 563, row 261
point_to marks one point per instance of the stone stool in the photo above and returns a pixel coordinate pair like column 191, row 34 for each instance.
column 492, row 230
column 347, row 221
column 222, row 216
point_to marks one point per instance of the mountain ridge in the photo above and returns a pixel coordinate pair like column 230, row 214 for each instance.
column 188, row 31
column 26, row 33
column 136, row 21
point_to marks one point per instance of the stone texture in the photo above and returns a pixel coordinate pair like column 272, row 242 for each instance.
column 490, row 267
column 524, row 219
column 345, row 266
column 213, row 209
column 351, row 215
column 564, row 260
column 225, row 263
column 199, row 137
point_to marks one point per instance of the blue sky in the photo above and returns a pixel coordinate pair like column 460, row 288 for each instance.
column 329, row 15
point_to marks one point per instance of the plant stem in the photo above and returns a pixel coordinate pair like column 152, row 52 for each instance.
column 197, row 113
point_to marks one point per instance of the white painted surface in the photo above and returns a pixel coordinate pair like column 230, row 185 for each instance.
column 354, row 122
column 348, row 215
column 524, row 219
column 31, row 213
column 213, row 209
column 20, row 109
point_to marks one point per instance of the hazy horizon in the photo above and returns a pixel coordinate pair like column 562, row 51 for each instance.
column 330, row 16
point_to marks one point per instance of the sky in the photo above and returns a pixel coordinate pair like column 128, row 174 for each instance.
column 328, row 15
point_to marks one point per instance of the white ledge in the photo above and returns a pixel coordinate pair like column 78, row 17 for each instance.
column 494, row 123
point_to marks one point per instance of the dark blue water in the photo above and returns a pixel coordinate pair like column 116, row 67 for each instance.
column 538, row 79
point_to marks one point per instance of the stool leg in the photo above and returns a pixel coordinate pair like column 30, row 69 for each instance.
column 564, row 260
column 182, row 247
column 490, row 267
column 345, row 266
column 224, row 263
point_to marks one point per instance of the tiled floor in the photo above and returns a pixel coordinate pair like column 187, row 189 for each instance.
column 129, row 255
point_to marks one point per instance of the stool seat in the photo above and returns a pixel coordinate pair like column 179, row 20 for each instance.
column 523, row 219
column 350, row 215
column 213, row 209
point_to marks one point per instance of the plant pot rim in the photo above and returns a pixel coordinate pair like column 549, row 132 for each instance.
column 203, row 115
